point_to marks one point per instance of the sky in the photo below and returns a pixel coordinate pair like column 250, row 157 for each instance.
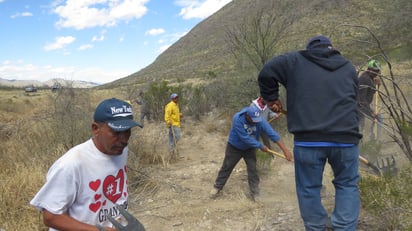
column 91, row 40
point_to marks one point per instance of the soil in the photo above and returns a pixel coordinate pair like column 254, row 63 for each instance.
column 181, row 199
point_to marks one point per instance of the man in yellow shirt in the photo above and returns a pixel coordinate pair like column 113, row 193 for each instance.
column 172, row 119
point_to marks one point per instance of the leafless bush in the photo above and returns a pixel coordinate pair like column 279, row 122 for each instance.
column 395, row 101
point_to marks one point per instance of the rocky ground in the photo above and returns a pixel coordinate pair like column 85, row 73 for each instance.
column 181, row 198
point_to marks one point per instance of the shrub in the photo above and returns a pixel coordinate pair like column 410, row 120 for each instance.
column 389, row 200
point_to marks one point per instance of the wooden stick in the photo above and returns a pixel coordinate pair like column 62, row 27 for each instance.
column 277, row 117
column 376, row 111
column 277, row 154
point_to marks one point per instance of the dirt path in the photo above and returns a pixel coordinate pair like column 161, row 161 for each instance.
column 182, row 199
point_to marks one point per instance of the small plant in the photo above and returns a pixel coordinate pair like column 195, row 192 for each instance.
column 263, row 160
column 389, row 200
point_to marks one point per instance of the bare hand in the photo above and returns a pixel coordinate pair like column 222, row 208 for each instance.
column 288, row 155
column 275, row 106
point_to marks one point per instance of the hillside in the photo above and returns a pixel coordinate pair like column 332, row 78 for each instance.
column 206, row 48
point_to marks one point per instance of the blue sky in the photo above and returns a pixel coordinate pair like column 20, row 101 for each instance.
column 91, row 40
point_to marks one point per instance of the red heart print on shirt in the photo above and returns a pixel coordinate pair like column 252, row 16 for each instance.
column 94, row 185
column 95, row 206
column 113, row 186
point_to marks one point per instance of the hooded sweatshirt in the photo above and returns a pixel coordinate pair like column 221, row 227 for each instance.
column 244, row 135
column 322, row 89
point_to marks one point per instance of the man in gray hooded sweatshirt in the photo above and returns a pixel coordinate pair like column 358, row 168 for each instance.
column 322, row 114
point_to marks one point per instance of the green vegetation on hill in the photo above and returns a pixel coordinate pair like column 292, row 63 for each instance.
column 205, row 48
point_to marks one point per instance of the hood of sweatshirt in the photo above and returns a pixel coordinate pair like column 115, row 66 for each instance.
column 329, row 59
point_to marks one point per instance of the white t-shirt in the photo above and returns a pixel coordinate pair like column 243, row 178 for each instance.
column 86, row 184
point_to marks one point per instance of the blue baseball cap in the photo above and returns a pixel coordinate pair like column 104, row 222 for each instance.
column 254, row 114
column 173, row 95
column 318, row 41
column 116, row 113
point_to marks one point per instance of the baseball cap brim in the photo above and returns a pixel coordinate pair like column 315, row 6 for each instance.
column 123, row 125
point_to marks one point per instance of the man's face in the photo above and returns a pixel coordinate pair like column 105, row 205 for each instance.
column 373, row 73
column 108, row 141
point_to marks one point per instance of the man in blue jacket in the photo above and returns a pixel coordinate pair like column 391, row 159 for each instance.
column 247, row 126
column 322, row 114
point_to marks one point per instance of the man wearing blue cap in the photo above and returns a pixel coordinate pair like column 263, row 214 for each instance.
column 85, row 185
column 244, row 134
column 322, row 114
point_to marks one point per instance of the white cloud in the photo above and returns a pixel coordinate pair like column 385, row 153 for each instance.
column 156, row 31
column 21, row 71
column 97, row 75
column 85, row 47
column 91, row 13
column 99, row 38
column 59, row 43
column 23, row 14
column 200, row 9
column 177, row 36
column 95, row 38
column 163, row 48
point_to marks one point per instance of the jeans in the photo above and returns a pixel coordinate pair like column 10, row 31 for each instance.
column 309, row 166
column 174, row 137
column 232, row 157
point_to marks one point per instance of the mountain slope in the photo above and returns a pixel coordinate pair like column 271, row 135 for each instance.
column 205, row 50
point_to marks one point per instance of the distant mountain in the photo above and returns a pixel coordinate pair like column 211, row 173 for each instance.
column 205, row 53
column 49, row 83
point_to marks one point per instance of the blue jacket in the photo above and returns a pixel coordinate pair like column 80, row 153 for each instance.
column 322, row 90
column 244, row 135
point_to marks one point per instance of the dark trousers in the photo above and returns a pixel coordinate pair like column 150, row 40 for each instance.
column 265, row 140
column 232, row 157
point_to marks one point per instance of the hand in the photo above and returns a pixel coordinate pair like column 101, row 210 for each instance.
column 100, row 228
column 264, row 149
column 275, row 106
column 377, row 81
column 288, row 154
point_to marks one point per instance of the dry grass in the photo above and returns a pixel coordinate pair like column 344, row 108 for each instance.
column 30, row 144
column 34, row 134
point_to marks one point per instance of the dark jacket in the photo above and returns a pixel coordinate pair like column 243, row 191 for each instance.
column 366, row 93
column 322, row 90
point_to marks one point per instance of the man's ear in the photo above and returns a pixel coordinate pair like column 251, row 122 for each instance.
column 95, row 127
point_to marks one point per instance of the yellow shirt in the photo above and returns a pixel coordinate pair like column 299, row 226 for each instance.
column 172, row 114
